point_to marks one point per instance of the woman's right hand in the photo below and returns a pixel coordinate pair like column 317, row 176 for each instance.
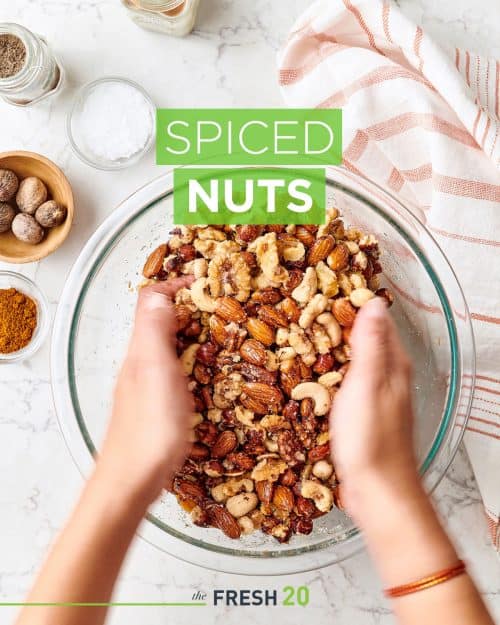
column 371, row 418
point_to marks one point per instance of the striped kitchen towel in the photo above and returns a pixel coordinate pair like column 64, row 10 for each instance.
column 424, row 123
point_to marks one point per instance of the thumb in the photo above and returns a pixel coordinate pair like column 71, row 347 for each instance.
column 370, row 342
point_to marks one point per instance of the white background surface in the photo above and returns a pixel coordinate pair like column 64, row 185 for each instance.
column 229, row 60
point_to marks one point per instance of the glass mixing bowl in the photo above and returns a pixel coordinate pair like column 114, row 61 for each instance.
column 94, row 319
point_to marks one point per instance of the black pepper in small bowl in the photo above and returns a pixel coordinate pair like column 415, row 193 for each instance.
column 12, row 55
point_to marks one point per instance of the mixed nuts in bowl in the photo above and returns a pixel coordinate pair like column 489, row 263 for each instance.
column 91, row 333
column 263, row 338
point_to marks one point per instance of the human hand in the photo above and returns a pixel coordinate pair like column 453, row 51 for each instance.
column 147, row 436
column 371, row 419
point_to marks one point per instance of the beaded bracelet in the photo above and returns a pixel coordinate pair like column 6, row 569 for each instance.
column 427, row 582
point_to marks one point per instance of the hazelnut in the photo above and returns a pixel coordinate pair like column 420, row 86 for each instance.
column 7, row 214
column 27, row 229
column 32, row 192
column 9, row 184
column 50, row 214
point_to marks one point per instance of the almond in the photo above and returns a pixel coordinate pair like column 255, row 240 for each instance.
column 289, row 379
column 254, row 405
column 304, row 236
column 229, row 309
column 339, row 258
column 218, row 330
column 323, row 364
column 223, row 520
column 272, row 317
column 283, row 498
column 264, row 490
column 290, row 309
column 320, row 249
column 183, row 316
column 269, row 395
column 154, row 263
column 269, row 295
column 253, row 352
column 260, row 331
column 343, row 311
column 253, row 373
column 224, row 444
column 185, row 489
column 199, row 451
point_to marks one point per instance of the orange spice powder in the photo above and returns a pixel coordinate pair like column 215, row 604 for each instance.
column 18, row 320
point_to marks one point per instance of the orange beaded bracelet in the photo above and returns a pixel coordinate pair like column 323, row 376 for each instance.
column 427, row 582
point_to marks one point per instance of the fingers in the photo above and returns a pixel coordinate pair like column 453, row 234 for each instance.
column 155, row 322
column 377, row 351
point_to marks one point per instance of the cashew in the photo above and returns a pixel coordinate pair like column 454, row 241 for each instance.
column 353, row 248
column 314, row 308
column 301, row 344
column 242, row 504
column 359, row 297
column 322, row 469
column 330, row 379
column 200, row 296
column 358, row 280
column 246, row 525
column 320, row 494
column 331, row 326
column 315, row 391
column 222, row 491
column 344, row 283
column 197, row 267
column 327, row 279
column 285, row 353
column 188, row 357
column 307, row 288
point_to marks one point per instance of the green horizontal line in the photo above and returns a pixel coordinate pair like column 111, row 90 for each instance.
column 102, row 604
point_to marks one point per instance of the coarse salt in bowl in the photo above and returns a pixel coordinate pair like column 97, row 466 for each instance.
column 111, row 125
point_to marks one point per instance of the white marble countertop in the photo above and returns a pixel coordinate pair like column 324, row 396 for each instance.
column 228, row 61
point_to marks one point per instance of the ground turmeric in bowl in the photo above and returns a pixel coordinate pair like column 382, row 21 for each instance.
column 18, row 320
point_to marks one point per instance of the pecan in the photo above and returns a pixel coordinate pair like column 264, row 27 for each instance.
column 289, row 478
column 207, row 432
column 213, row 468
column 253, row 352
column 272, row 316
column 193, row 329
column 199, row 451
column 254, row 443
column 290, row 448
column 252, row 373
column 269, row 295
column 248, row 233
column 206, row 353
column 319, row 452
column 323, row 364
column 154, row 262
column 294, row 279
column 290, row 378
column 186, row 252
column 202, row 373
column 224, row 444
column 302, row 525
column 305, row 507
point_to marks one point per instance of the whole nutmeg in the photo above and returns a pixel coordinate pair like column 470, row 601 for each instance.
column 7, row 214
column 31, row 193
column 50, row 214
column 27, row 229
column 9, row 184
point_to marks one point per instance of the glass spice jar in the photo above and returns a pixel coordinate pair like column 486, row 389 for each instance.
column 171, row 17
column 40, row 75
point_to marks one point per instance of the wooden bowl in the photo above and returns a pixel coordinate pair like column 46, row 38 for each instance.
column 25, row 164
